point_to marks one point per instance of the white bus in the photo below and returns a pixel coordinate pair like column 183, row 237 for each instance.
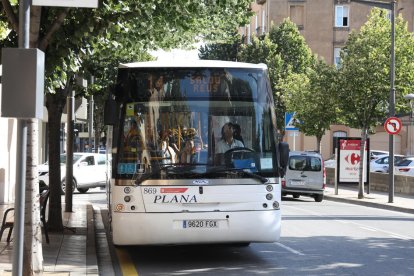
column 196, row 156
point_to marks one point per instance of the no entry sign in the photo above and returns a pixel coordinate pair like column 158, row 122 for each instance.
column 393, row 125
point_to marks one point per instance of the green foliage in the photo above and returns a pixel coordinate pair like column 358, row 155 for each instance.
column 221, row 50
column 292, row 47
column 312, row 96
column 364, row 75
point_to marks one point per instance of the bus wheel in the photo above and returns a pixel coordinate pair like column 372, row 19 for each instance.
column 82, row 190
column 63, row 186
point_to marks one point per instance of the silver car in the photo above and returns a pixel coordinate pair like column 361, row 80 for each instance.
column 305, row 175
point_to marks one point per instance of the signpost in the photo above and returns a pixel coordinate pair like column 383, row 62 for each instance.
column 290, row 122
column 393, row 125
column 349, row 159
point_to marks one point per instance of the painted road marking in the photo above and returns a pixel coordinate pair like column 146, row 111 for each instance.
column 290, row 249
column 125, row 262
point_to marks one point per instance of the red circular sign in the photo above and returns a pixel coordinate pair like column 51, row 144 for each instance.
column 393, row 125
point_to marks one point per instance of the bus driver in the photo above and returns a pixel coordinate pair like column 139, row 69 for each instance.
column 227, row 140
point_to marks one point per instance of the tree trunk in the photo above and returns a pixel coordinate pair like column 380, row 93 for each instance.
column 55, row 104
column 32, row 254
column 361, row 163
column 318, row 143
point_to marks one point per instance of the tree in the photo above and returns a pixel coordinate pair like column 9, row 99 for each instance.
column 222, row 50
column 364, row 73
column 296, row 57
column 312, row 96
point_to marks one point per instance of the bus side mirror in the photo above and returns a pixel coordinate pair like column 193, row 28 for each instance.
column 110, row 111
column 283, row 157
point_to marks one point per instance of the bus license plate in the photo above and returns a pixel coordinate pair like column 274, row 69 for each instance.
column 200, row 223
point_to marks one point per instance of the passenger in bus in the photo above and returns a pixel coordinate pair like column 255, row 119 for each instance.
column 227, row 140
column 167, row 153
column 132, row 139
column 188, row 155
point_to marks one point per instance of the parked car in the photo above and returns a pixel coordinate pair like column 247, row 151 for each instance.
column 89, row 171
column 305, row 175
column 381, row 164
column 331, row 162
column 405, row 167
column 375, row 154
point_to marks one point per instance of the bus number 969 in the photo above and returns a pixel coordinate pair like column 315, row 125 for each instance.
column 150, row 191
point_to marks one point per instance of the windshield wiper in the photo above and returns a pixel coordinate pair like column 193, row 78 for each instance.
column 241, row 170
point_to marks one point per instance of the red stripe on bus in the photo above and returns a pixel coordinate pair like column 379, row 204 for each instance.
column 173, row 190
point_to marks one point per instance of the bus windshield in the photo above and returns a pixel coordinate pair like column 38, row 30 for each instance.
column 194, row 123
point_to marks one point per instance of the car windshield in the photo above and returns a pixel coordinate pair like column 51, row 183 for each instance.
column 76, row 157
column 405, row 162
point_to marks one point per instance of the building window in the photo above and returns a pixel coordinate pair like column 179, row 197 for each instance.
column 263, row 21
column 297, row 13
column 248, row 34
column 341, row 16
column 256, row 24
column 337, row 57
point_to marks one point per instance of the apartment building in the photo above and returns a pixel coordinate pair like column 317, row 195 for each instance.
column 325, row 25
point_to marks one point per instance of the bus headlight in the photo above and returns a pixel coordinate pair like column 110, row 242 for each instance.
column 127, row 198
column 269, row 196
column 276, row 205
column 127, row 190
column 269, row 188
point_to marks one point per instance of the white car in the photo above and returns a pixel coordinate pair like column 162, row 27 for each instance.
column 405, row 167
column 381, row 163
column 89, row 171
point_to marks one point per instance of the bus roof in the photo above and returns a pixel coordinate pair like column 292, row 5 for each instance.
column 192, row 64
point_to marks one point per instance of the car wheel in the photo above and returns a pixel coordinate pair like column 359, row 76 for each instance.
column 82, row 190
column 318, row 198
column 63, row 186
column 296, row 196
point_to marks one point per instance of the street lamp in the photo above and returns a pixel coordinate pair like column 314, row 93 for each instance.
column 391, row 7
column 410, row 97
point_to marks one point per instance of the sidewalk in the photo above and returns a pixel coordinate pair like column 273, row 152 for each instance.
column 72, row 252
column 376, row 199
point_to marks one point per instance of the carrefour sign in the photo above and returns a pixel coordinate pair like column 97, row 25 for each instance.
column 349, row 155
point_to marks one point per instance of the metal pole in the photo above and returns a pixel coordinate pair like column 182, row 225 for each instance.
column 392, row 106
column 19, row 203
column 69, row 152
column 90, row 115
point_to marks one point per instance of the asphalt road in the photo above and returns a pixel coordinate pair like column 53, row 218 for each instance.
column 327, row 238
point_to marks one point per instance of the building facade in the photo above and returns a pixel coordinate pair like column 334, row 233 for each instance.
column 326, row 25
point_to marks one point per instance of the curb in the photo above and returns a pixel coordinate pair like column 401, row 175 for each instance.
column 91, row 257
column 370, row 204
